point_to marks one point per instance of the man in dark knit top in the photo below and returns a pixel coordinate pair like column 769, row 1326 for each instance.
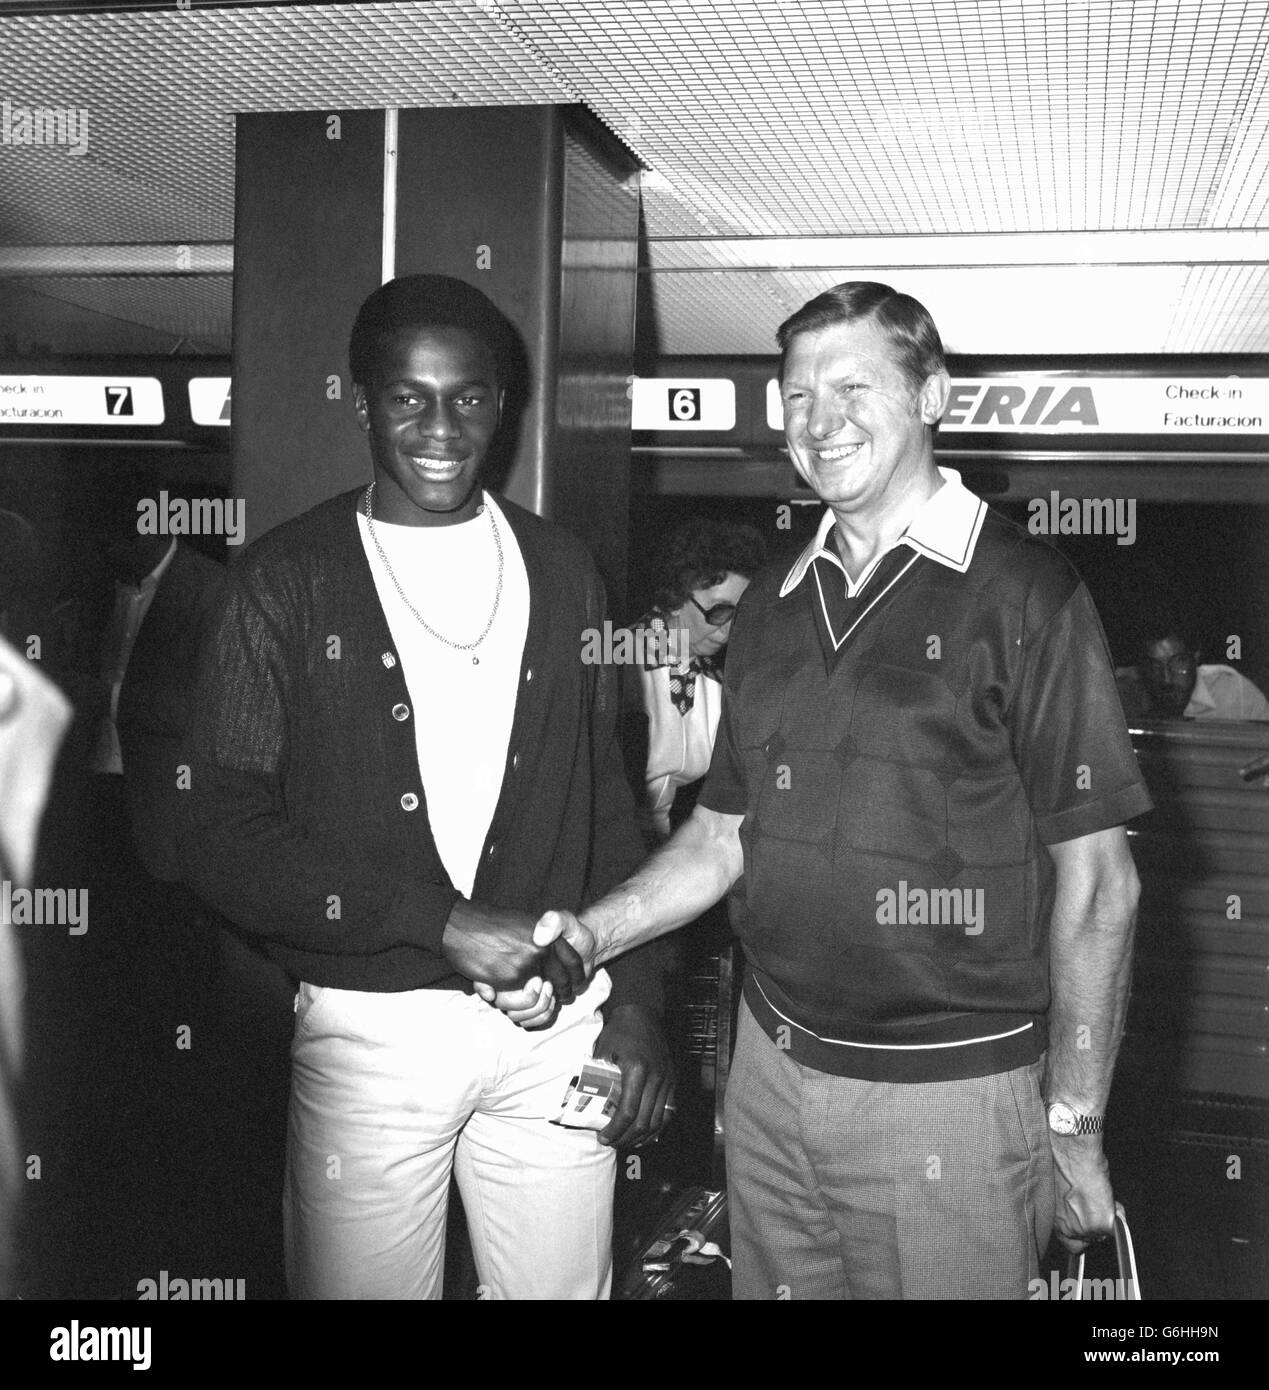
column 398, row 760
column 923, row 774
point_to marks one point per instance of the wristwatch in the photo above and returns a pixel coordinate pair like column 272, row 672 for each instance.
column 1065, row 1120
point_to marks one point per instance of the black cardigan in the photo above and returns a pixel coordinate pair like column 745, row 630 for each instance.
column 295, row 821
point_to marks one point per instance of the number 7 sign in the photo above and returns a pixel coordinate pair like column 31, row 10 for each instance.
column 119, row 400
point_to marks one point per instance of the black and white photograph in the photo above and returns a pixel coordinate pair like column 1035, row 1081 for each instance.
column 634, row 652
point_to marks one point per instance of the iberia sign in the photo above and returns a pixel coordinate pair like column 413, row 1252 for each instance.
column 1029, row 404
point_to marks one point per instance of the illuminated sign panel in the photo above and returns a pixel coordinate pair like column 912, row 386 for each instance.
column 683, row 403
column 1156, row 405
column 209, row 400
column 81, row 400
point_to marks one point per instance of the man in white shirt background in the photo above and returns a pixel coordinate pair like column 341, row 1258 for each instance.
column 1171, row 681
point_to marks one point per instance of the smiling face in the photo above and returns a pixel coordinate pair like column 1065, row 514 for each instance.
column 431, row 411
column 857, row 428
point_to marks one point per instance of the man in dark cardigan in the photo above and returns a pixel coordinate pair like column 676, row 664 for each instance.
column 399, row 760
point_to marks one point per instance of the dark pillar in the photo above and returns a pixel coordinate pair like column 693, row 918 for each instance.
column 537, row 206
column 306, row 253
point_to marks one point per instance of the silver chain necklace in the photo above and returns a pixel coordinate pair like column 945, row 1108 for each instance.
column 423, row 623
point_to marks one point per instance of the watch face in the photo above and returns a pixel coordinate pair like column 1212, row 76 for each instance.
column 1061, row 1118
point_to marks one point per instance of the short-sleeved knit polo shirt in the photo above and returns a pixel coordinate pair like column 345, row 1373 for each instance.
column 902, row 749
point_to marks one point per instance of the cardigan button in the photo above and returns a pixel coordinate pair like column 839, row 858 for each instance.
column 515, row 762
column 400, row 713
column 409, row 802
column 528, row 675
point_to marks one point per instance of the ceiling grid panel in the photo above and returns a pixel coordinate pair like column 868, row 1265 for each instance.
column 757, row 118
column 1221, row 303
column 1241, row 192
column 162, row 88
column 196, row 309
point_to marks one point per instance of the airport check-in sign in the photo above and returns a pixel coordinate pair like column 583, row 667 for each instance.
column 209, row 400
column 81, row 400
column 683, row 403
column 1038, row 404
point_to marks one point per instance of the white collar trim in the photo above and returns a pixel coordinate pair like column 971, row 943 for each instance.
column 946, row 529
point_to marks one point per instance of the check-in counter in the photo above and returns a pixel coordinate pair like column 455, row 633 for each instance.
column 1198, row 1021
column 1188, row 1118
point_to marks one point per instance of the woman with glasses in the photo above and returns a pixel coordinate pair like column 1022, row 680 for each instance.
column 672, row 700
column 673, row 706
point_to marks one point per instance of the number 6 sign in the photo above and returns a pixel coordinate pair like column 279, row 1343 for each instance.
column 702, row 403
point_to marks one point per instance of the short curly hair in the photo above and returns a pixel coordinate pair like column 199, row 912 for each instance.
column 422, row 301
column 700, row 554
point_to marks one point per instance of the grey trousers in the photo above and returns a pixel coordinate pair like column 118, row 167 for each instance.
column 861, row 1189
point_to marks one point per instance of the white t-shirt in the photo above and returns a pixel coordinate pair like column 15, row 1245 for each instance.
column 462, row 712
column 1220, row 692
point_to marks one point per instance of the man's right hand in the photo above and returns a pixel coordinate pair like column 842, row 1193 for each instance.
column 498, row 946
column 565, row 940
column 564, row 926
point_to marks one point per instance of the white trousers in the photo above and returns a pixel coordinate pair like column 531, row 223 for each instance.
column 390, row 1093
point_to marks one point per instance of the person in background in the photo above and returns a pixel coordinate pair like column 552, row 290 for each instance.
column 39, row 599
column 101, row 1061
column 1171, row 681
column 133, row 1009
column 672, row 697
column 19, row 566
column 671, row 703
column 165, row 594
column 207, row 972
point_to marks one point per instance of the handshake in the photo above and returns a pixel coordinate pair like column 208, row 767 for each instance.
column 525, row 969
